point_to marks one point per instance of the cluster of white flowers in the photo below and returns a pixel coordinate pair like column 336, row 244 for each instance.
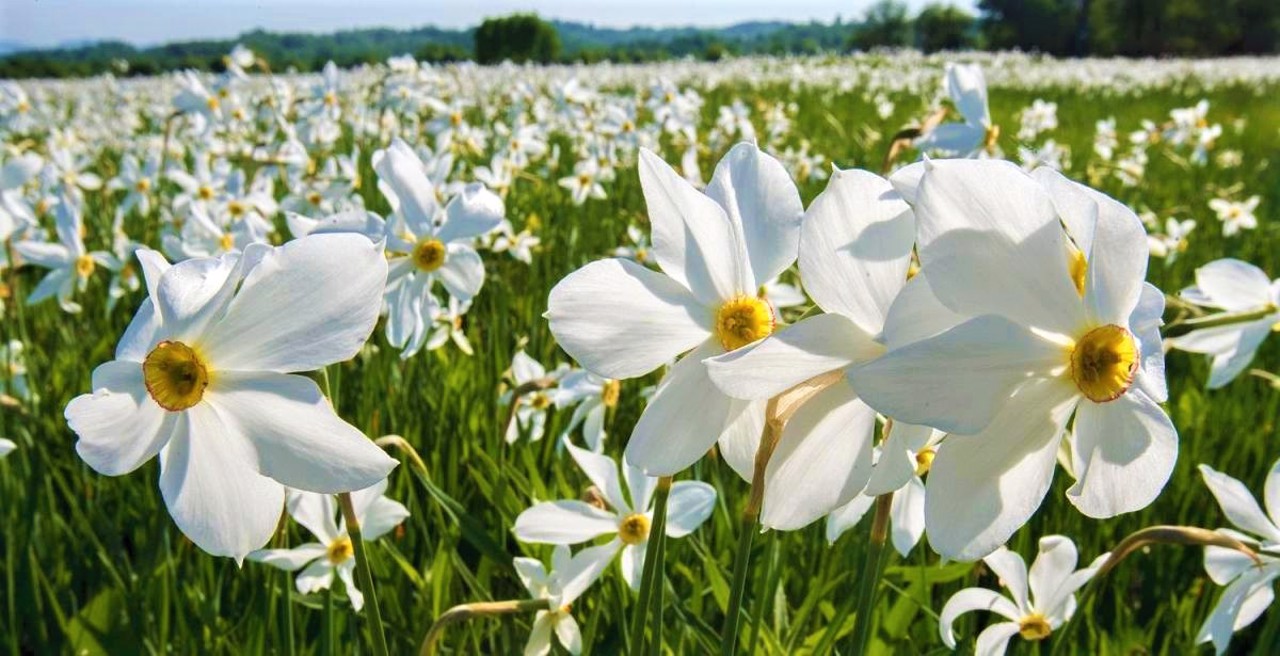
column 974, row 325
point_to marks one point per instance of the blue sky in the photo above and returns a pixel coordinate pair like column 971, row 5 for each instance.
column 146, row 22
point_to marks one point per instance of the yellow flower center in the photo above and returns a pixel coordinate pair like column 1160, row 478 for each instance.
column 205, row 192
column 339, row 550
column 1103, row 363
column 226, row 242
column 314, row 198
column 330, row 99
column 235, row 208
column 610, row 393
column 1034, row 627
column 540, row 401
column 143, row 185
column 428, row 255
column 743, row 320
column 175, row 376
column 85, row 266
column 634, row 529
column 1079, row 268
column 924, row 460
column 213, row 103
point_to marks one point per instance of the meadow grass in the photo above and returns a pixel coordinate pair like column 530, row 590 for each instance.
column 93, row 564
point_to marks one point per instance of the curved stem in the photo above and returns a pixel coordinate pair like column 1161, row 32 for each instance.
column 465, row 612
column 1219, row 320
column 652, row 565
column 870, row 580
column 365, row 574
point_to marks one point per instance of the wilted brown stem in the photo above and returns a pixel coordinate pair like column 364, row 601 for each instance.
column 465, row 612
column 1184, row 535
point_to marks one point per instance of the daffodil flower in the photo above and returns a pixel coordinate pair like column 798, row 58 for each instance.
column 531, row 407
column 906, row 509
column 591, row 397
column 1054, row 322
column 1052, row 583
column 572, row 522
column 569, row 577
column 855, row 252
column 204, row 377
column 1232, row 286
column 1250, row 585
column 621, row 320
column 976, row 135
column 332, row 552
column 431, row 250
column 1236, row 215
column 70, row 264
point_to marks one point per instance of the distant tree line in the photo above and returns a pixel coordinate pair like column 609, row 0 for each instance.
column 1131, row 28
column 1060, row 27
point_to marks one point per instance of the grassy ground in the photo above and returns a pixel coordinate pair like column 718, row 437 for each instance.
column 93, row 564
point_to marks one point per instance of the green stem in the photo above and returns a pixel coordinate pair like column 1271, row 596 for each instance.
column 1219, row 320
column 773, row 424
column 652, row 565
column 659, row 589
column 868, row 584
column 287, row 608
column 365, row 574
column 326, row 630
column 746, row 532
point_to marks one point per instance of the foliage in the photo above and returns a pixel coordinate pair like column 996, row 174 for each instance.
column 886, row 25
column 944, row 27
column 519, row 38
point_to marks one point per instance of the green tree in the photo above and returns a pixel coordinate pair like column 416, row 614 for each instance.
column 944, row 27
column 886, row 26
column 1049, row 26
column 519, row 37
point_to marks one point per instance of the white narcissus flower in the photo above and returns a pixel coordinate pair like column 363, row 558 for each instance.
column 70, row 264
column 1250, row 585
column 976, row 135
column 531, row 407
column 6, row 447
column 1173, row 242
column 1052, row 584
column 1234, row 287
column 433, row 249
column 1236, row 215
column 906, row 510
column 621, row 320
column 568, row 578
column 572, row 522
column 591, row 397
column 332, row 552
column 205, row 377
column 1055, row 325
column 854, row 253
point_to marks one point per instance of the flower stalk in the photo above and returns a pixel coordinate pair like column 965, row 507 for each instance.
column 871, row 571
column 1218, row 320
column 365, row 574
column 464, row 612
column 1184, row 535
column 778, row 411
column 652, row 574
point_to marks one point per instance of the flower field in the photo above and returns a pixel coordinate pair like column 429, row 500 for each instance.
column 760, row 356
